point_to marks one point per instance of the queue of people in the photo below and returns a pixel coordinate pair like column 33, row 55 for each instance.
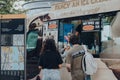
column 50, row 59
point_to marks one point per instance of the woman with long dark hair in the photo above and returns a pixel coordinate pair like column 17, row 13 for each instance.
column 50, row 61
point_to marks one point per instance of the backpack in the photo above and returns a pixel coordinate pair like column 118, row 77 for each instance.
column 32, row 38
column 88, row 63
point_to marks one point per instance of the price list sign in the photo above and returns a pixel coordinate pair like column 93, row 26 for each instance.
column 12, row 49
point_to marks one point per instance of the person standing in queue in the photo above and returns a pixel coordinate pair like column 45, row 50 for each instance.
column 33, row 46
column 50, row 61
column 86, row 38
column 74, row 59
column 33, row 41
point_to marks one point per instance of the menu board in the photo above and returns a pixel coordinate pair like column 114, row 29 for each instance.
column 53, row 25
column 50, row 29
column 12, row 49
column 90, row 25
column 12, row 26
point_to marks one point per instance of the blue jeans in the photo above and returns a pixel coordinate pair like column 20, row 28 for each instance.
column 50, row 74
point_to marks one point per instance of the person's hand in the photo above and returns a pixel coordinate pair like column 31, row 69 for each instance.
column 67, row 48
column 68, row 66
column 66, row 38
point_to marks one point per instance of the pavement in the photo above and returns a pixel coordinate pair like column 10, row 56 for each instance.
column 114, row 65
column 103, row 72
